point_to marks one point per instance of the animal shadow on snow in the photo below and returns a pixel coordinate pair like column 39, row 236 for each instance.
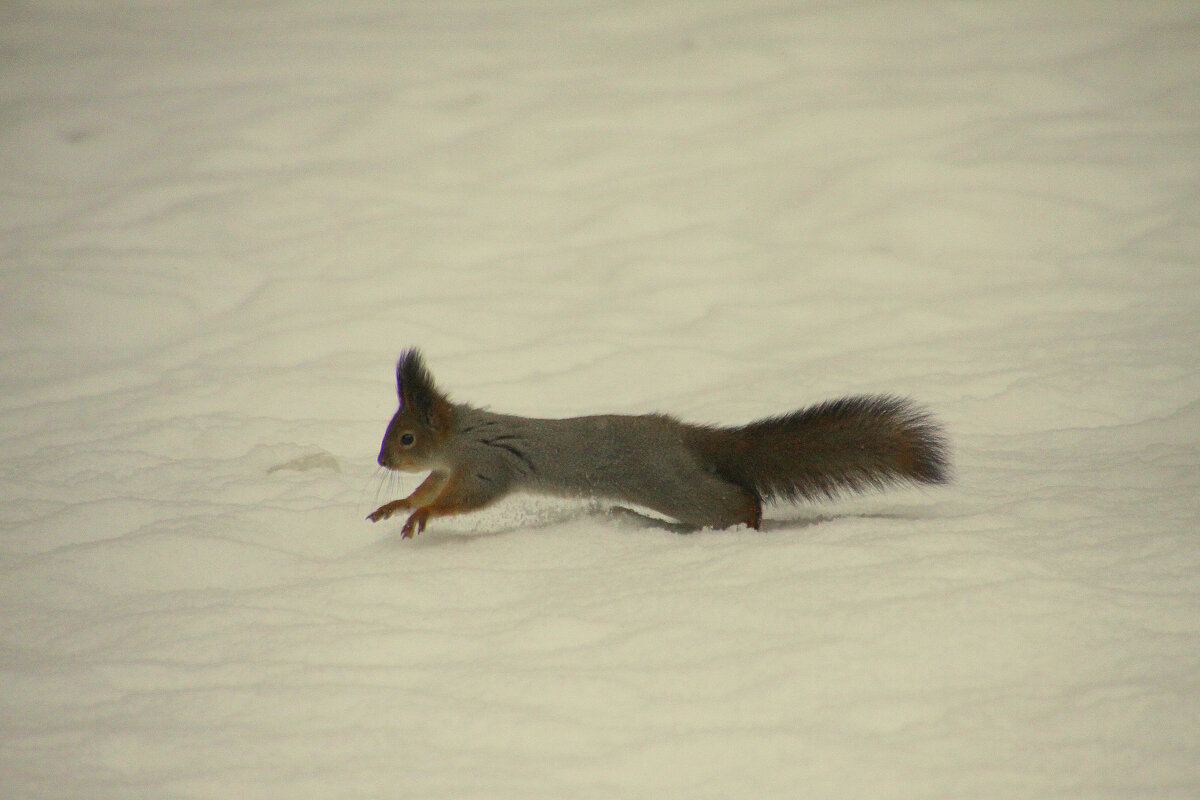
column 632, row 518
column 627, row 518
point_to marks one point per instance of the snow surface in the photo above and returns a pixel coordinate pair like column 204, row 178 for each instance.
column 222, row 222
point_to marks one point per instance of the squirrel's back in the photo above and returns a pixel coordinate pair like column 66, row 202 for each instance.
column 647, row 460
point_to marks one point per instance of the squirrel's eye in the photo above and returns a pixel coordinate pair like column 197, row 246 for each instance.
column 407, row 439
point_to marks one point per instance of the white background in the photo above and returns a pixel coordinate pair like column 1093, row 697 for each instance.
column 221, row 222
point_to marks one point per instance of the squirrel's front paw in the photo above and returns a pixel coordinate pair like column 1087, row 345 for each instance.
column 386, row 510
column 415, row 523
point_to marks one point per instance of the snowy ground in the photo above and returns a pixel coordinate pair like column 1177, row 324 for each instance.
column 221, row 223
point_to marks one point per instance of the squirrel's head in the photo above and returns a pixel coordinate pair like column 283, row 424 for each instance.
column 414, row 436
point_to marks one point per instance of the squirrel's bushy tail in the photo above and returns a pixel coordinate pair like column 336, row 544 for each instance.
column 851, row 444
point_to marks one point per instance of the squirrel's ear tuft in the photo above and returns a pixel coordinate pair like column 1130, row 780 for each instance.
column 418, row 393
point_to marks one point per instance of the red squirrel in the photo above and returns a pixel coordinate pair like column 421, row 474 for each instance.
column 700, row 475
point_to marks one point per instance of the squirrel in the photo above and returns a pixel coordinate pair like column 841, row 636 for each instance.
column 700, row 475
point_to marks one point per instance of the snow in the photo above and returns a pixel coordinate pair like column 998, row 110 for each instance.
column 222, row 222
